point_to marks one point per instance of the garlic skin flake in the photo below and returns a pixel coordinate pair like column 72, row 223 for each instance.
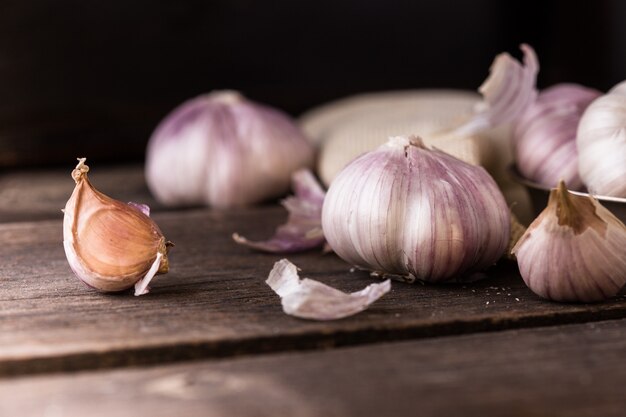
column 310, row 299
column 223, row 150
column 416, row 213
column 303, row 230
column 110, row 245
column 574, row 251
column 507, row 92
column 601, row 141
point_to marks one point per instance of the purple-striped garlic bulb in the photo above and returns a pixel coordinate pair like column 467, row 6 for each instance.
column 575, row 250
column 111, row 245
column 545, row 135
column 222, row 150
column 601, row 144
column 415, row 213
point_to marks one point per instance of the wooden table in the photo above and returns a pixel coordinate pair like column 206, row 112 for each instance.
column 211, row 338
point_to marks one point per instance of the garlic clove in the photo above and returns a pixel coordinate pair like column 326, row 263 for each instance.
column 303, row 230
column 310, row 299
column 574, row 251
column 110, row 245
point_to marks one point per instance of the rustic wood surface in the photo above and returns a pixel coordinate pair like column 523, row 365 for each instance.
column 249, row 358
column 574, row 370
column 214, row 301
column 27, row 195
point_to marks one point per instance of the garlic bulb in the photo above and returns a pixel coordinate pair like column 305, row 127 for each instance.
column 110, row 245
column 545, row 135
column 416, row 213
column 222, row 150
column 601, row 142
column 574, row 251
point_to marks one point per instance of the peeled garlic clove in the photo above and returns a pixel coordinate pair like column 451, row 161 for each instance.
column 303, row 229
column 507, row 92
column 574, row 251
column 601, row 141
column 110, row 245
column 417, row 213
column 310, row 299
column 223, row 150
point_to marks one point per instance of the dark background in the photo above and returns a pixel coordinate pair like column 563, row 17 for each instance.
column 93, row 78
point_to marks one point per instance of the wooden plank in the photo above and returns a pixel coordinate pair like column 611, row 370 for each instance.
column 574, row 370
column 27, row 195
column 214, row 301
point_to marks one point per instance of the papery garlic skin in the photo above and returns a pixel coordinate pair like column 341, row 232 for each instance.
column 574, row 251
column 416, row 213
column 222, row 150
column 310, row 299
column 303, row 229
column 110, row 245
column 544, row 136
column 507, row 92
column 601, row 141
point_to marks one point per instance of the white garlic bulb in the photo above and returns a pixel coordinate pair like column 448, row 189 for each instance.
column 222, row 150
column 111, row 245
column 574, row 251
column 416, row 213
column 601, row 141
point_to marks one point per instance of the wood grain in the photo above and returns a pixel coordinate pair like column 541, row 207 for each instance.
column 574, row 370
column 27, row 195
column 214, row 301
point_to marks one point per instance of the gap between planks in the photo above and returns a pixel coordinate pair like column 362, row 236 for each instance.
column 185, row 352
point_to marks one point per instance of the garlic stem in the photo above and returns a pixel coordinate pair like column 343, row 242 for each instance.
column 81, row 169
column 575, row 213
